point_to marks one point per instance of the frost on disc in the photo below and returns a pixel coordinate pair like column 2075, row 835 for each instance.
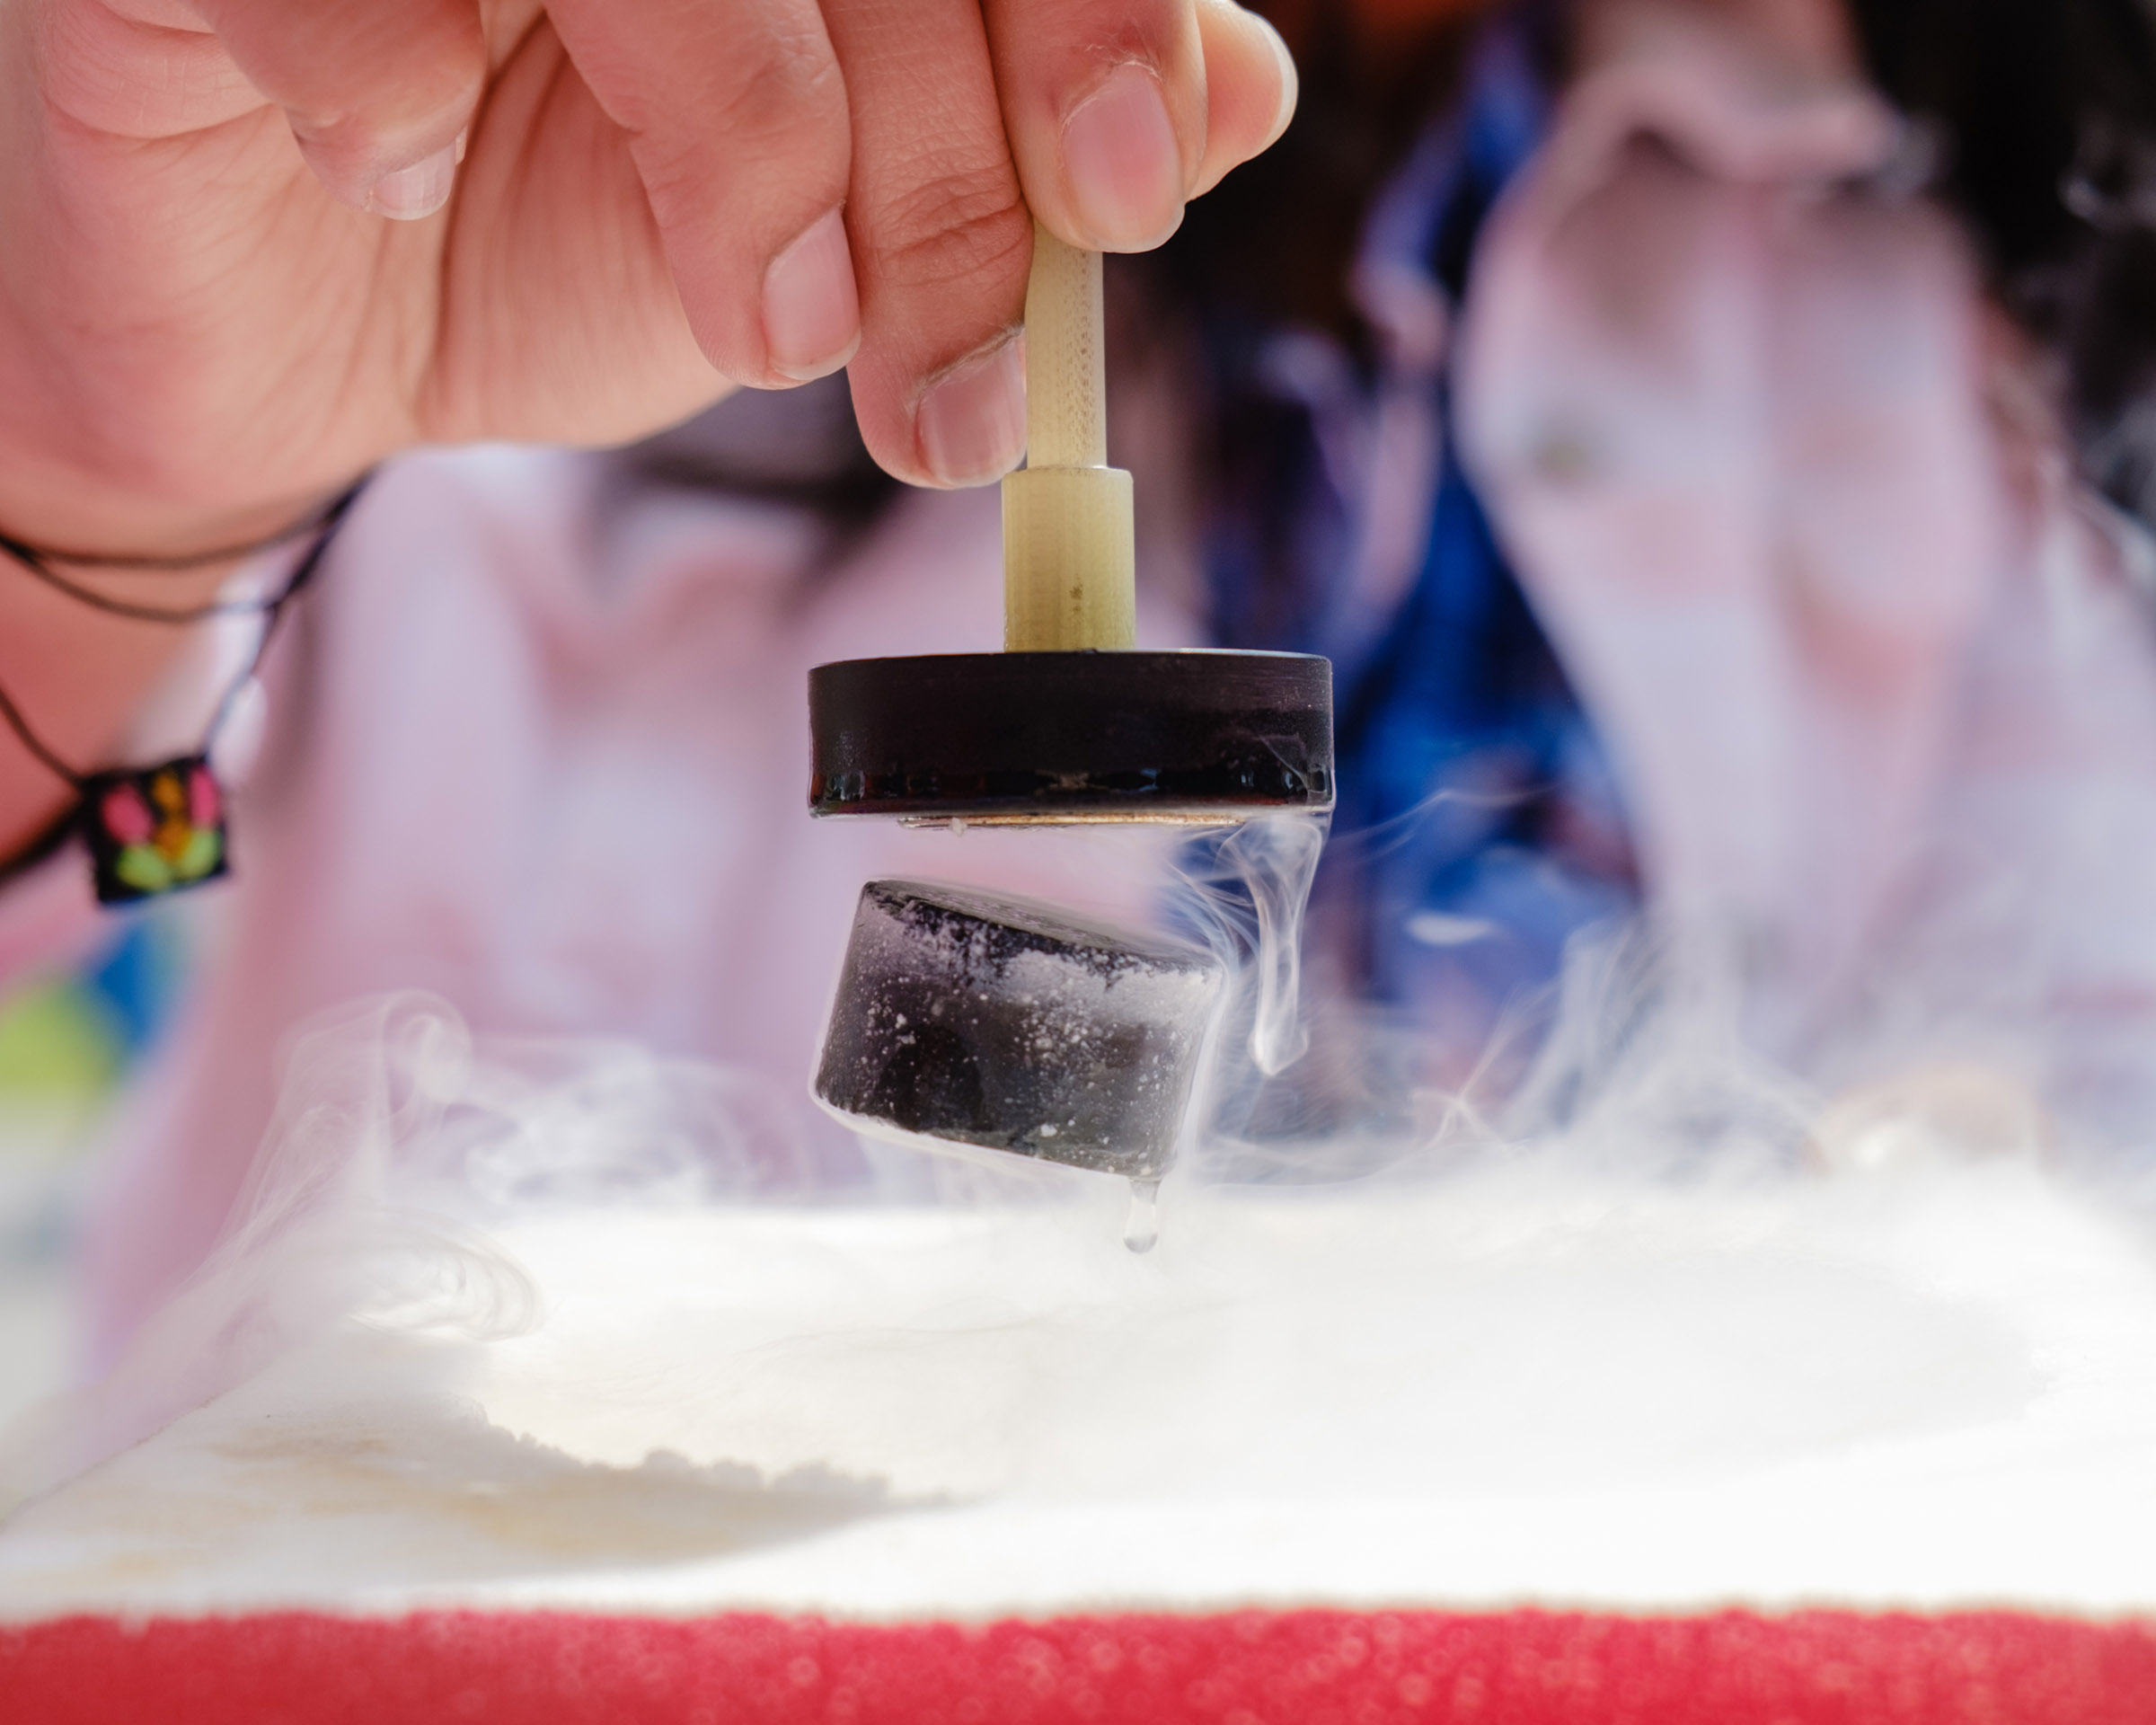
column 973, row 1019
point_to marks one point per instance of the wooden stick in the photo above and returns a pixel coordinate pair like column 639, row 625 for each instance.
column 1069, row 558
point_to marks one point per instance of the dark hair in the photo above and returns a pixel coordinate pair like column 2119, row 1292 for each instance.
column 1273, row 248
column 2044, row 114
column 1274, row 243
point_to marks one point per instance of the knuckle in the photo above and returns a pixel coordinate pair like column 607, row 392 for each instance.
column 789, row 79
column 959, row 225
column 773, row 88
column 110, row 75
column 776, row 117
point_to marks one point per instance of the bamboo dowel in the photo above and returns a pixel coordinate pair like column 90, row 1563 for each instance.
column 1069, row 560
column 1067, row 370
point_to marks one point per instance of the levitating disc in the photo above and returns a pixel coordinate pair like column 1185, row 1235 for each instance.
column 970, row 1019
column 1197, row 738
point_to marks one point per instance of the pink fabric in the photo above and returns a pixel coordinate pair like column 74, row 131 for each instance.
column 1774, row 476
column 549, row 762
column 1744, row 427
column 47, row 919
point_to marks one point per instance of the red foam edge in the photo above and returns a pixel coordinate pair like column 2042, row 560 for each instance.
column 1295, row 1667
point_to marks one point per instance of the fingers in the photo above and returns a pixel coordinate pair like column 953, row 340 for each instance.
column 1250, row 88
column 378, row 93
column 1116, row 112
column 1120, row 110
column 736, row 115
column 559, row 318
column 944, row 240
column 1105, row 104
column 827, row 177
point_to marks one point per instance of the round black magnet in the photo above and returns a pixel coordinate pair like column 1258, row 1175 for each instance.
column 976, row 1020
column 1194, row 738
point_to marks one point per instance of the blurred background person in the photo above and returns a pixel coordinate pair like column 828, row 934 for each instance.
column 1708, row 434
column 1687, row 424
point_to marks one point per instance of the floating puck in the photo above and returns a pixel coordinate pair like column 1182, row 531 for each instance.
column 966, row 1018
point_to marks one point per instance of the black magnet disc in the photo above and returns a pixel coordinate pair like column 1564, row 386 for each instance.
column 1197, row 736
column 968, row 1018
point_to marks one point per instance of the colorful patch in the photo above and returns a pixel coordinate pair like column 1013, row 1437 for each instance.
column 154, row 830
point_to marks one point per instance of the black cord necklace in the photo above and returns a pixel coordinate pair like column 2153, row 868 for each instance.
column 155, row 829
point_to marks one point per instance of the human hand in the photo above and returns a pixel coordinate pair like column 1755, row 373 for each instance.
column 241, row 260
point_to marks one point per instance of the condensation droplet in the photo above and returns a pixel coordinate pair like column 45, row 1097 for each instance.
column 1142, row 1228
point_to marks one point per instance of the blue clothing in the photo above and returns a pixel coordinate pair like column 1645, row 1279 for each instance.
column 1479, row 826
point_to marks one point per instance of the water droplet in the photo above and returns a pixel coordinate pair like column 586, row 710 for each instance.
column 1142, row 1230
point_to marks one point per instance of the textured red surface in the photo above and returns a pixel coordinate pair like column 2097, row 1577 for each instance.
column 1281, row 1668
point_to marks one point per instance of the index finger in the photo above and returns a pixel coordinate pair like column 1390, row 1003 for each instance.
column 942, row 238
column 1118, row 111
column 736, row 115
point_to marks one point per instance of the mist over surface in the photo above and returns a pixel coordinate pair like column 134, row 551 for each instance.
column 1664, row 1324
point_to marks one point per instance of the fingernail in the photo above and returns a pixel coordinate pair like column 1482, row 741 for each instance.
column 1124, row 169
column 972, row 424
column 811, row 312
column 1291, row 81
column 414, row 193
